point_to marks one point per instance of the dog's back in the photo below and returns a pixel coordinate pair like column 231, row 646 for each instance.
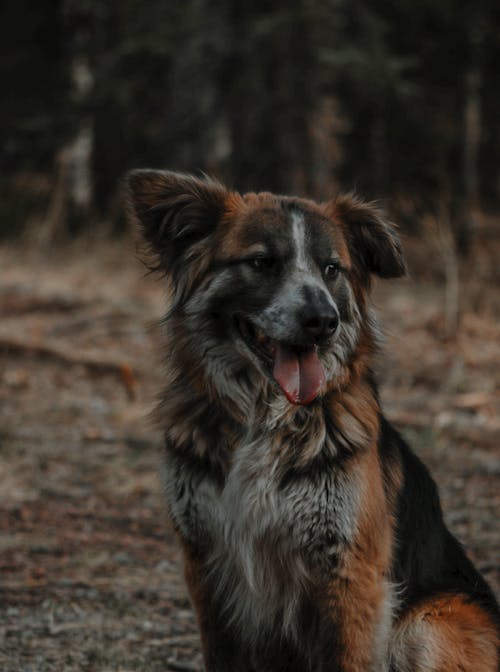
column 313, row 537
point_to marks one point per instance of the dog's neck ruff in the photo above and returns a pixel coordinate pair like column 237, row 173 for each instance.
column 209, row 426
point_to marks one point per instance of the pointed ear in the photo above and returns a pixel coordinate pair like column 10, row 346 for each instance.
column 176, row 212
column 371, row 238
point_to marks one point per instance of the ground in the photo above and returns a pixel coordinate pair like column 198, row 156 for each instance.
column 90, row 571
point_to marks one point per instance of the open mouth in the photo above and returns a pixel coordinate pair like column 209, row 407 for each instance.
column 297, row 369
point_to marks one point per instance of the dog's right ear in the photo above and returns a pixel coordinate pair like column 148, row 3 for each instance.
column 177, row 213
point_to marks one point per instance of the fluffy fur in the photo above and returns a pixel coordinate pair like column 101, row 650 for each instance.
column 313, row 537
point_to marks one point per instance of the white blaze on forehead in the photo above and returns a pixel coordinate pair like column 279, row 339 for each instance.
column 299, row 241
column 304, row 269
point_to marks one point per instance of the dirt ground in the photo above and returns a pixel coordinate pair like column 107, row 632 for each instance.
column 89, row 571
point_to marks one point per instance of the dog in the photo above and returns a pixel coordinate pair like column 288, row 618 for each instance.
column 312, row 536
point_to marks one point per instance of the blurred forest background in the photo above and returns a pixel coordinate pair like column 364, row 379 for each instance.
column 397, row 100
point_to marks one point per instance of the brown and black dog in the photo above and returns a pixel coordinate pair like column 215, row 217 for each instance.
column 313, row 537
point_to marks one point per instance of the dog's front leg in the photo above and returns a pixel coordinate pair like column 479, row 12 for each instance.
column 358, row 606
column 358, row 599
column 220, row 653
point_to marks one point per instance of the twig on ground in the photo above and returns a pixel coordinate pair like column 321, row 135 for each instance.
column 99, row 366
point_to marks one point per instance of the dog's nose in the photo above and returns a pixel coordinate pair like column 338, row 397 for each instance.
column 320, row 322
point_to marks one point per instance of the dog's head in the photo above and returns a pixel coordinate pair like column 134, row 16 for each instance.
column 266, row 283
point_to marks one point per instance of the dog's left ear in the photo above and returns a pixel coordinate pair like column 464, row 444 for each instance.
column 371, row 238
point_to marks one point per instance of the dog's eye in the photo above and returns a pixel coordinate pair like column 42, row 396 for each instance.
column 332, row 270
column 262, row 263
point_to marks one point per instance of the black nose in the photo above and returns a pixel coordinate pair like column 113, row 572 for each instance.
column 320, row 321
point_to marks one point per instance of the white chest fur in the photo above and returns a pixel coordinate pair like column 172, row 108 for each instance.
column 268, row 541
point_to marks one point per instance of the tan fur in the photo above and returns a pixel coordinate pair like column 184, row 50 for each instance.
column 243, row 223
column 446, row 634
column 356, row 597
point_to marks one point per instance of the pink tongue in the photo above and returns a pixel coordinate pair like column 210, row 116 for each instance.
column 300, row 374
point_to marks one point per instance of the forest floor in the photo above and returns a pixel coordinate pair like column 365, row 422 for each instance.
column 90, row 575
